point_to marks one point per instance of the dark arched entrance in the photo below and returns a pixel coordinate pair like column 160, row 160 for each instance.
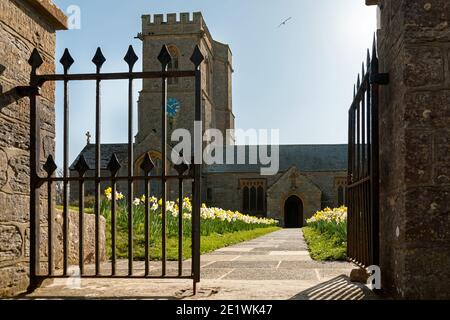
column 293, row 212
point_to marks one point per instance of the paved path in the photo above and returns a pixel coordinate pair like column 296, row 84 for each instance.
column 274, row 266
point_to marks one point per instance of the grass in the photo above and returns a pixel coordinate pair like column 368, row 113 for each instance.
column 218, row 228
column 324, row 246
column 208, row 243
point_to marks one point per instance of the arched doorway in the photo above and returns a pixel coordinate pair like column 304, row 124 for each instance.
column 293, row 212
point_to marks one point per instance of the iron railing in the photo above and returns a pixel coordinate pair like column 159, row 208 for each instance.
column 41, row 175
column 363, row 166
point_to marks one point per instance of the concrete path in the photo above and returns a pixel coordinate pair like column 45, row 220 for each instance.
column 274, row 266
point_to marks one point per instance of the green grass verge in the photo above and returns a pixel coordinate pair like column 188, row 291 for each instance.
column 324, row 247
column 208, row 243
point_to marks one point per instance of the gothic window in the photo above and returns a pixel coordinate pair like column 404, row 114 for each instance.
column 340, row 184
column 260, row 199
column 174, row 63
column 246, row 199
column 340, row 195
column 253, row 196
column 209, row 194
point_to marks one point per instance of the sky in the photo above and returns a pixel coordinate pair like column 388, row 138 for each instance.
column 297, row 78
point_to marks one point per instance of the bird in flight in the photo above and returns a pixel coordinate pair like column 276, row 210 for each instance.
column 284, row 22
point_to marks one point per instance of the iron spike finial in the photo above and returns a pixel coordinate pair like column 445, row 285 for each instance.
column 147, row 165
column 50, row 165
column 113, row 165
column 363, row 70
column 164, row 57
column 81, row 166
column 358, row 82
column 131, row 58
column 354, row 91
column 368, row 59
column 66, row 60
column 35, row 60
column 98, row 59
column 181, row 166
column 374, row 47
column 197, row 57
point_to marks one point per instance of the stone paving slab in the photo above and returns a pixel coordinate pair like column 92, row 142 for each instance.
column 274, row 266
column 271, row 274
column 243, row 264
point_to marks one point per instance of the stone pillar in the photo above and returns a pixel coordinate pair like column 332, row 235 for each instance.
column 24, row 25
column 414, row 48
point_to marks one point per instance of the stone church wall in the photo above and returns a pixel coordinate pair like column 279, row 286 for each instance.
column 226, row 192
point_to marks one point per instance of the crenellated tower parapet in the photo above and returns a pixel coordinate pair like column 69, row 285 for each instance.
column 173, row 24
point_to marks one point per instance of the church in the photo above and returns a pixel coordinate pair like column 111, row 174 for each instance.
column 310, row 177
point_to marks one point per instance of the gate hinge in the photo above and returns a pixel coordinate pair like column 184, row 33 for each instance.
column 380, row 78
column 27, row 91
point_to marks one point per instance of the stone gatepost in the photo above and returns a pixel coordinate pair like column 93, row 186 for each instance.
column 414, row 48
column 24, row 25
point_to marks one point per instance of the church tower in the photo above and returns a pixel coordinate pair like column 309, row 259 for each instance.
column 181, row 35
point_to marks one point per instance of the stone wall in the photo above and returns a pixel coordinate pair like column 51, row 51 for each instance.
column 24, row 25
column 316, row 189
column 414, row 48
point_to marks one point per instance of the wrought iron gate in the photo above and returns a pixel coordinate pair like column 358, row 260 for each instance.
column 363, row 166
column 43, row 175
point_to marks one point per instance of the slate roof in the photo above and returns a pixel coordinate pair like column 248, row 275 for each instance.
column 305, row 157
column 121, row 150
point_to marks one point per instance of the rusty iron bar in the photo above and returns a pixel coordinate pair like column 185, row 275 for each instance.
column 35, row 62
column 164, row 58
column 113, row 167
column 197, row 59
column 81, row 166
column 130, row 167
column 50, row 167
column 98, row 61
column 41, row 79
column 180, row 227
column 41, row 180
column 66, row 61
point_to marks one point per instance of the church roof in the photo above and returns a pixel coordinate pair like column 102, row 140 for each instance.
column 319, row 157
column 120, row 149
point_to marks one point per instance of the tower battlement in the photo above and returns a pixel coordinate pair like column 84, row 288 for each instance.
column 173, row 24
column 171, row 19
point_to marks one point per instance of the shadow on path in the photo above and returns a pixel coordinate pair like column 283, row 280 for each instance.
column 338, row 288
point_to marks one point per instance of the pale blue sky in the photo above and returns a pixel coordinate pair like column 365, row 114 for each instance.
column 297, row 78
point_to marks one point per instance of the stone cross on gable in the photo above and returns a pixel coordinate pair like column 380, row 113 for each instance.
column 88, row 137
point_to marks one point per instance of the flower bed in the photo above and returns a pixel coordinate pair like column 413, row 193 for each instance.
column 326, row 234
column 213, row 221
